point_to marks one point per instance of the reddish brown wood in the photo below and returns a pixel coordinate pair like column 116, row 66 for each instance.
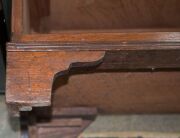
column 120, row 92
column 134, row 46
column 34, row 59
column 101, row 37
column 92, row 54
column 30, row 75
column 17, row 20
column 38, row 10
column 67, row 15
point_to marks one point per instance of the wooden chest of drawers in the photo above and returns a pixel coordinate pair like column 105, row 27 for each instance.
column 94, row 56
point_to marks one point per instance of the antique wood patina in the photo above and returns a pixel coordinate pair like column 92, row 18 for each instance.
column 92, row 57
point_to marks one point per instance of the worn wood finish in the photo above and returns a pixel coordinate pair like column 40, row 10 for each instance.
column 102, row 37
column 30, row 75
column 38, row 10
column 120, row 92
column 17, row 14
column 120, row 56
column 103, row 15
column 141, row 59
column 28, row 86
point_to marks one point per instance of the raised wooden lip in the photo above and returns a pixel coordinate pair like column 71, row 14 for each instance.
column 96, row 41
column 51, row 47
column 101, row 37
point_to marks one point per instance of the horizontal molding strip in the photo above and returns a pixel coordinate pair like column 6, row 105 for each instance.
column 92, row 46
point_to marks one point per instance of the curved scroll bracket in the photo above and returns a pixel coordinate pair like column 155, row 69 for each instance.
column 30, row 75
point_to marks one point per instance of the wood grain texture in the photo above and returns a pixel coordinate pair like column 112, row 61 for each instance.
column 103, row 14
column 123, row 35
column 125, row 82
column 102, row 37
column 155, row 13
column 120, row 92
column 141, row 59
column 30, row 75
column 17, row 20
column 119, row 56
column 37, row 10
